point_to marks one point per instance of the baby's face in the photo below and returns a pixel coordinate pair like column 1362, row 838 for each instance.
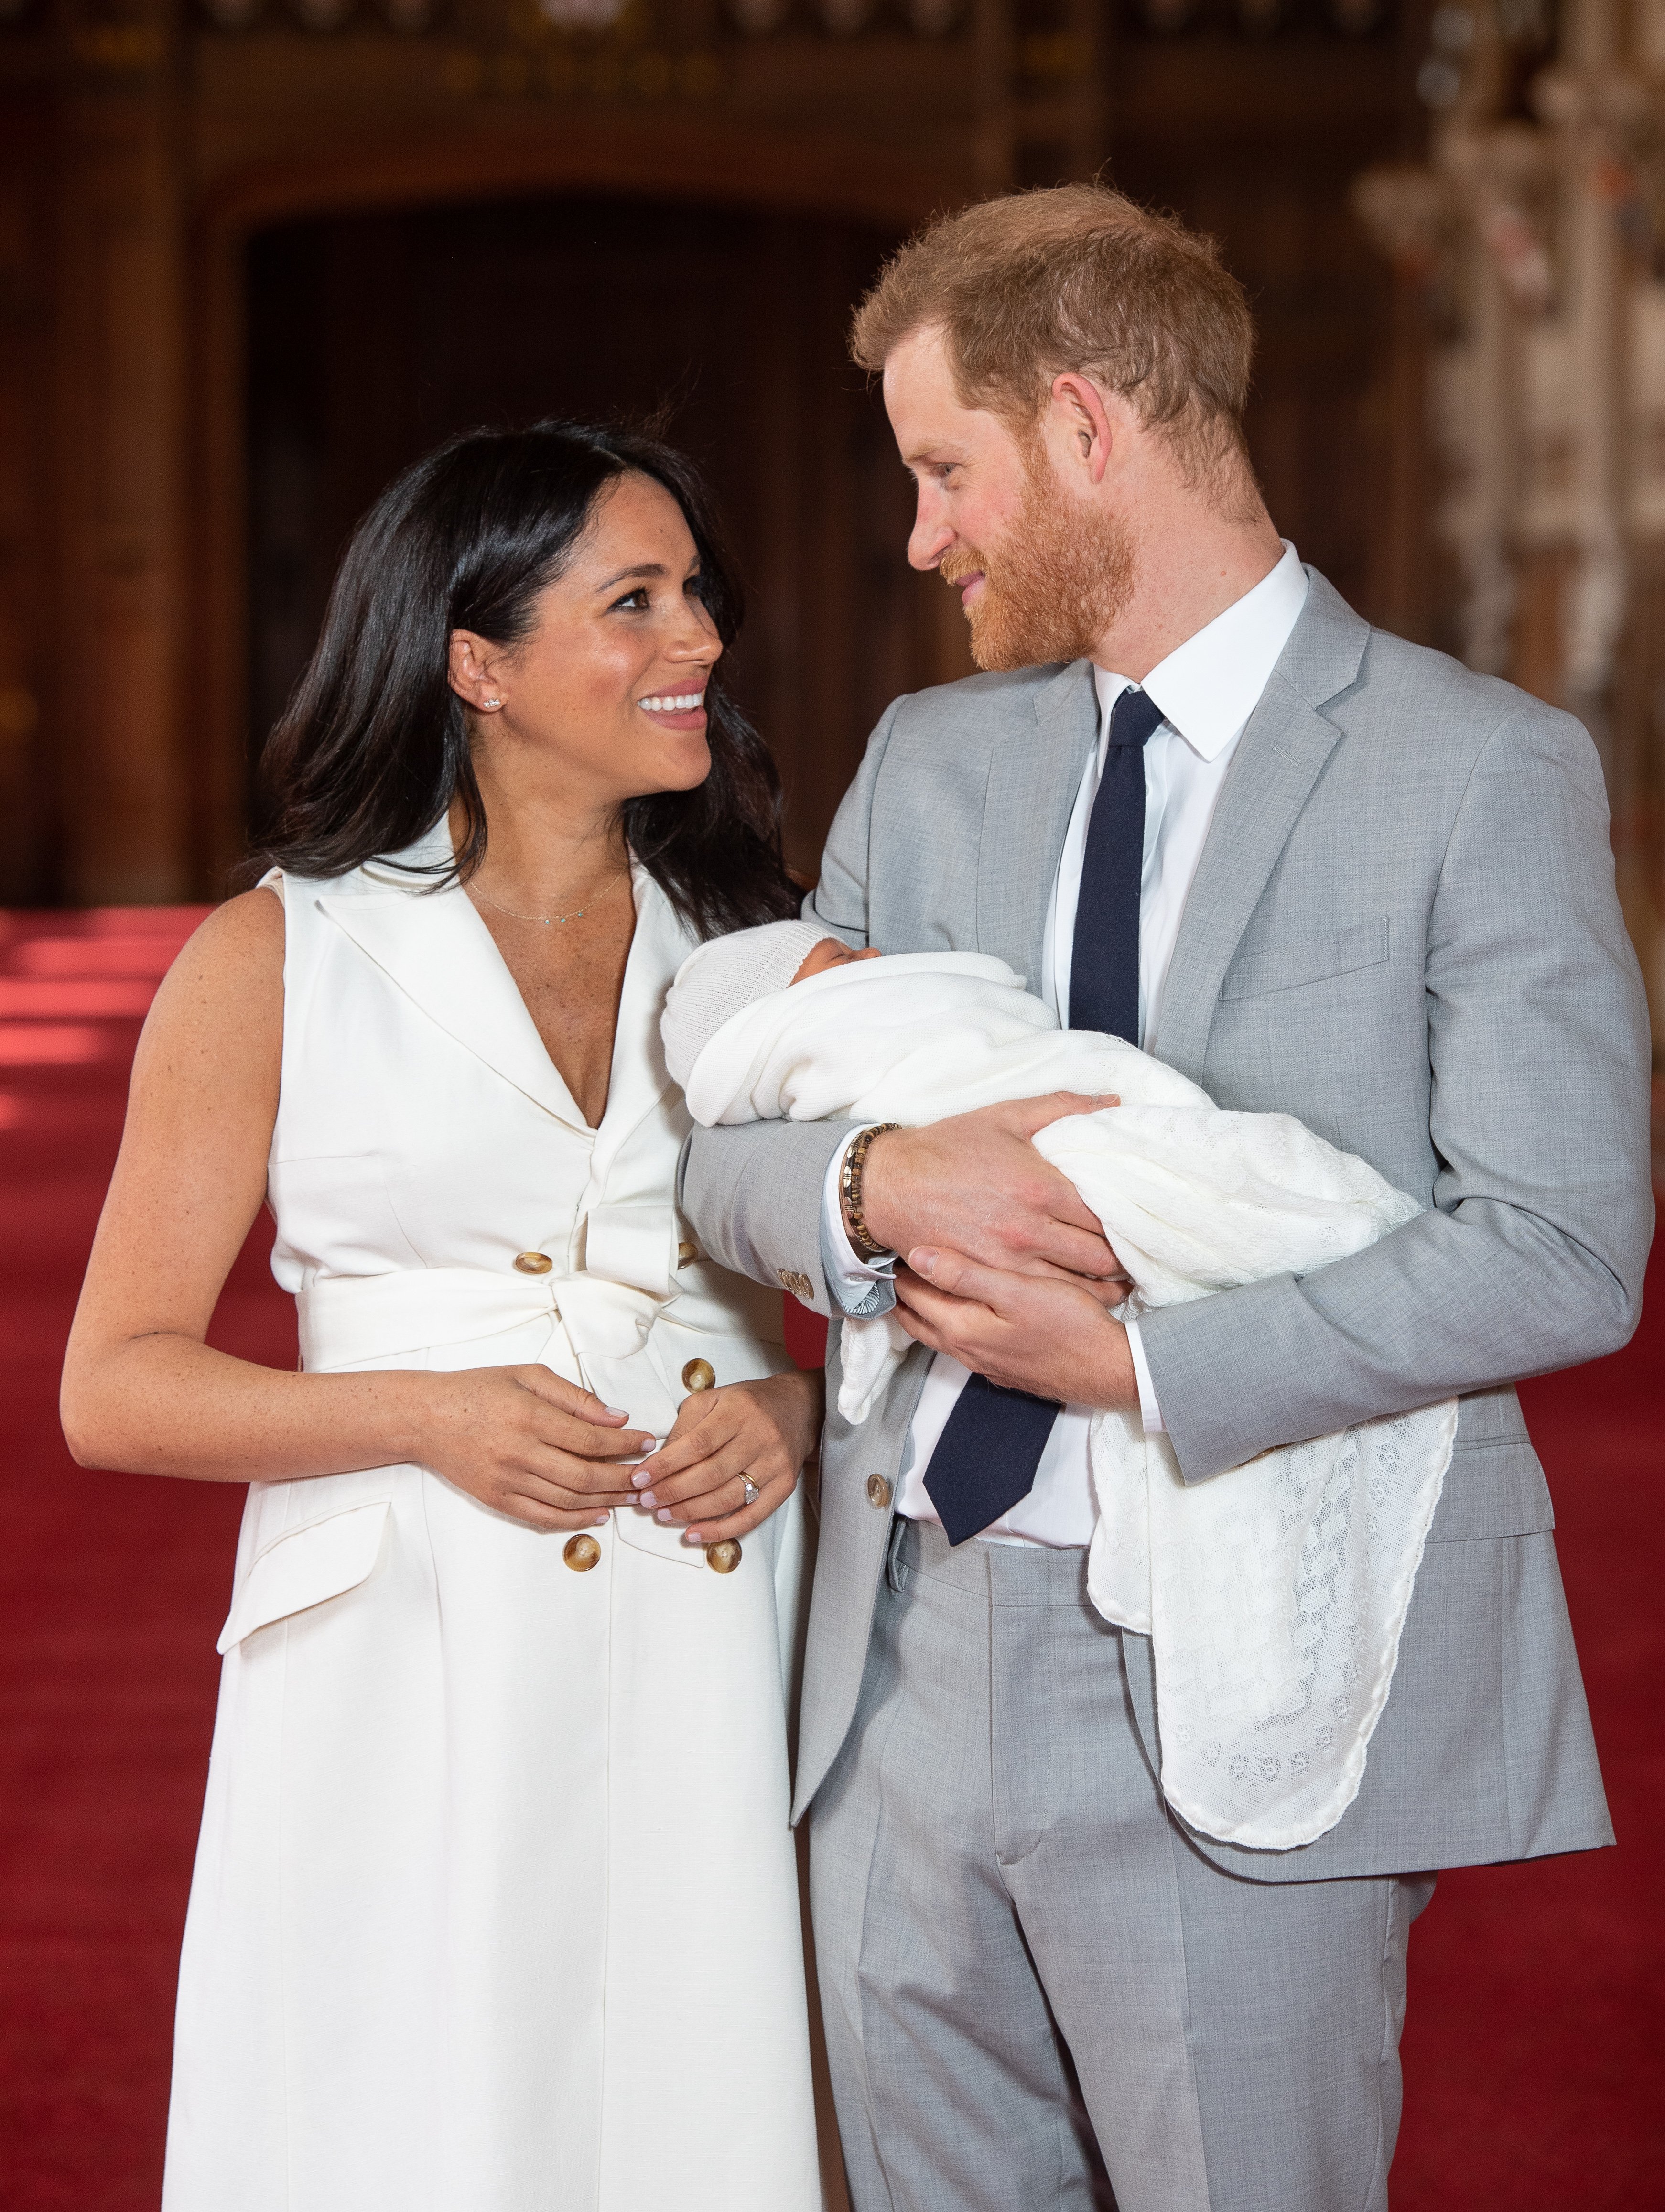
column 831, row 953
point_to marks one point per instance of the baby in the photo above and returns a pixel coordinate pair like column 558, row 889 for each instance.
column 1273, row 1594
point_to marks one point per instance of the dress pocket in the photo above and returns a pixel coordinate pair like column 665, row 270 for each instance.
column 305, row 1566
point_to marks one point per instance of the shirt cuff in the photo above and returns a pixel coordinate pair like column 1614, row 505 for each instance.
column 1150, row 1411
column 856, row 1287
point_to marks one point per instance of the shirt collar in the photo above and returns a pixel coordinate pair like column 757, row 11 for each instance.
column 1208, row 687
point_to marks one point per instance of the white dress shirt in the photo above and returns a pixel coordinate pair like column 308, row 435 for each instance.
column 1207, row 689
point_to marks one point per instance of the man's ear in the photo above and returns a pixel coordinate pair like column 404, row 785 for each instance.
column 1083, row 422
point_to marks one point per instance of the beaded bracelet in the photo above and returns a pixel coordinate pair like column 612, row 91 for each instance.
column 849, row 1189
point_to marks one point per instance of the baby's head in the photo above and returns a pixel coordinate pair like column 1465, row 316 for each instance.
column 832, row 952
column 731, row 972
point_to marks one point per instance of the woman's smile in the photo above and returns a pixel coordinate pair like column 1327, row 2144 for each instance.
column 676, row 710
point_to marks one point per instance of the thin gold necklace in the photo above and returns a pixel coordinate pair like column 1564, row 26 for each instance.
column 549, row 921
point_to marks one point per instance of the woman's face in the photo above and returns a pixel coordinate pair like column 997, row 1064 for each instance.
column 608, row 685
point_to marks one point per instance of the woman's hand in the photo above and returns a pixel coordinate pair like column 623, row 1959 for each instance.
column 529, row 1444
column 760, row 1431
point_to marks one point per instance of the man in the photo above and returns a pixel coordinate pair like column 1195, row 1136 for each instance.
column 1322, row 872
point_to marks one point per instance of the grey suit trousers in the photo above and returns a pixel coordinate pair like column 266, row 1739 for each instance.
column 1037, row 1993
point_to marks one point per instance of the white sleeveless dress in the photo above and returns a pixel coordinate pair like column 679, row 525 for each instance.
column 495, row 1905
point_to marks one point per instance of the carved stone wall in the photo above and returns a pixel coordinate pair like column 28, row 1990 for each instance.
column 1534, row 240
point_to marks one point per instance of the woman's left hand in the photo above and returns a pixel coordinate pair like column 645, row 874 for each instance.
column 757, row 1432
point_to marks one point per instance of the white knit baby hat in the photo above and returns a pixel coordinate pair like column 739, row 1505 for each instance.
column 725, row 975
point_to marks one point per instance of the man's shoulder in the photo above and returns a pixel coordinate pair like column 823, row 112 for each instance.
column 1413, row 695
column 983, row 704
column 1359, row 675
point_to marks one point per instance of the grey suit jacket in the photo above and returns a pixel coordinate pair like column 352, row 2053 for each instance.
column 1403, row 929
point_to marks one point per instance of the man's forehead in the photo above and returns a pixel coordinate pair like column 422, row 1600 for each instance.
column 932, row 421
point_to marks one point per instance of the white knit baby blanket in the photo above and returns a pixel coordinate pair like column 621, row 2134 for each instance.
column 1274, row 1593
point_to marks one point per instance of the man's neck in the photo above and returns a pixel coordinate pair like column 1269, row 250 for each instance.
column 1188, row 574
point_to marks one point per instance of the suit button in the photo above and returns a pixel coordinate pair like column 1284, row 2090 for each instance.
column 879, row 1492
column 723, row 1558
column 581, row 1554
column 699, row 1375
column 533, row 1263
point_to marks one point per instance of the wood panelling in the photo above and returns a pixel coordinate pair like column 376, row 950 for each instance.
column 1257, row 145
column 119, row 486
column 260, row 270
column 373, row 337
column 35, row 637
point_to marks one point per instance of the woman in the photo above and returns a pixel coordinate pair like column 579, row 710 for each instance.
column 494, row 1905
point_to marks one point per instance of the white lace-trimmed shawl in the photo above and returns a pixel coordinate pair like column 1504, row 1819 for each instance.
column 1274, row 1593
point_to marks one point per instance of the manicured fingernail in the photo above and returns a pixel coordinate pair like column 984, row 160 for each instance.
column 664, row 1514
column 648, row 1498
column 601, row 1520
column 640, row 1480
column 692, row 1536
column 619, row 1410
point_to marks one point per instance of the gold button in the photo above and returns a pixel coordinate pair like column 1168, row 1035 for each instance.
column 581, row 1554
column 800, row 1284
column 723, row 1558
column 533, row 1263
column 687, row 1254
column 699, row 1375
column 879, row 1491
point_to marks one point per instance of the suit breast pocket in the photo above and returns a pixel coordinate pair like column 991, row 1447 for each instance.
column 1312, row 956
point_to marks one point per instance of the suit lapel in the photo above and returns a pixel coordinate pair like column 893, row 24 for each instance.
column 1033, row 779
column 1279, row 757
column 438, row 951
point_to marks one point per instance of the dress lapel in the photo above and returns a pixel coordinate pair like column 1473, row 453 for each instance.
column 1032, row 783
column 438, row 951
column 639, row 1078
column 1278, row 759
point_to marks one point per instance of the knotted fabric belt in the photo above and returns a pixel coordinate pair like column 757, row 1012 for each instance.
column 347, row 1320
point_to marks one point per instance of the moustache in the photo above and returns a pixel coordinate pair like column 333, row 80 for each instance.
column 954, row 567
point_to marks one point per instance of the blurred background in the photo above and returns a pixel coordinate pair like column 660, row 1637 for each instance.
column 255, row 255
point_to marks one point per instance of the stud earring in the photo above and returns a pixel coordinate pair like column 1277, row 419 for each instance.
column 491, row 703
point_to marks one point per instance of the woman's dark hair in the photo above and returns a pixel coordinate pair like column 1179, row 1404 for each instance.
column 374, row 746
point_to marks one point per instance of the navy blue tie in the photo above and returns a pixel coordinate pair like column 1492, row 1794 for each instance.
column 992, row 1442
column 1105, row 965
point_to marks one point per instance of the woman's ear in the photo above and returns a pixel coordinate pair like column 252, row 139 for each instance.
column 475, row 672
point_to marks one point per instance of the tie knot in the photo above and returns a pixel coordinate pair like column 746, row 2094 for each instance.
column 1133, row 717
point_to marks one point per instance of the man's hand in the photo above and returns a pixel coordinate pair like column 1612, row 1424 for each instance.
column 1038, row 1333
column 976, row 1185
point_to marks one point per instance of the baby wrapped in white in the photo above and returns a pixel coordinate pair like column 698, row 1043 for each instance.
column 1274, row 1594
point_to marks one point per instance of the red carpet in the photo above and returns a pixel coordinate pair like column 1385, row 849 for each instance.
column 1537, row 2016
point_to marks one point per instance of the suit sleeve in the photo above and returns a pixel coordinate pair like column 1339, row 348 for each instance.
column 1533, row 1254
column 752, row 1192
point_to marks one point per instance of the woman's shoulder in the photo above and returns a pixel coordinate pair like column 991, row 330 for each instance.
column 238, row 946
column 244, row 932
column 226, row 985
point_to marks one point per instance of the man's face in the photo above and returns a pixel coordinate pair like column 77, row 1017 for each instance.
column 1042, row 570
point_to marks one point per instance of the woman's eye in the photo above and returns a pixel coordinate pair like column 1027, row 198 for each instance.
column 639, row 600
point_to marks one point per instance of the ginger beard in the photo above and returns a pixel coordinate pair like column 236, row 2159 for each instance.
column 1054, row 587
